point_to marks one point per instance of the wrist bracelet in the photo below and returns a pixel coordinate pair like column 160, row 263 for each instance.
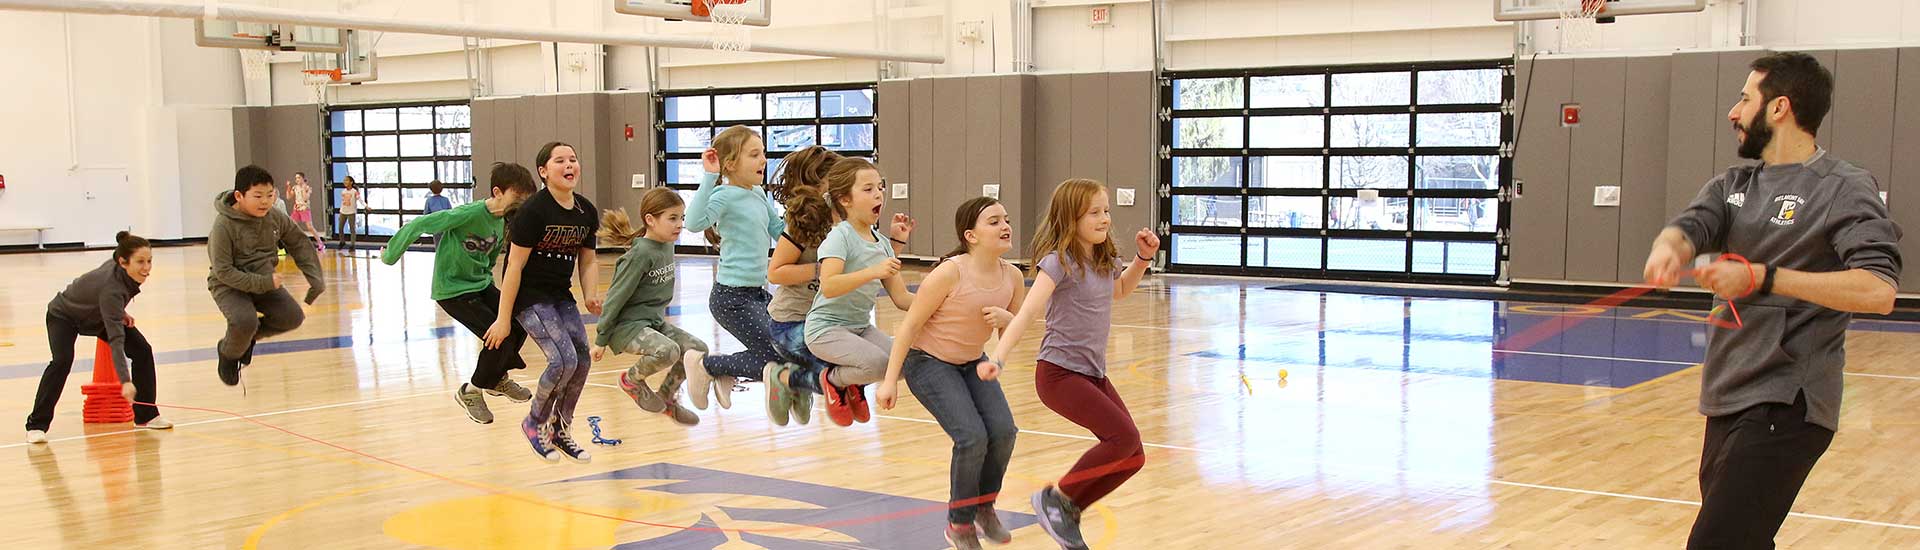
column 897, row 241
column 1766, row 284
column 1142, row 258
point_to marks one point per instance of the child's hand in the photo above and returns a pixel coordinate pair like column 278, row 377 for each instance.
column 126, row 390
column 497, row 333
column 710, row 161
column 902, row 227
column 996, row 316
column 594, row 305
column 988, row 370
column 129, row 320
column 278, row 280
column 599, row 352
column 886, row 268
column 1149, row 243
column 885, row 394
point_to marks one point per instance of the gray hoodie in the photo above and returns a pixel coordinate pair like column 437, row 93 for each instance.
column 244, row 250
column 1820, row 216
column 96, row 303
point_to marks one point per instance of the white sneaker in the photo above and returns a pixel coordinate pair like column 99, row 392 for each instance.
column 723, row 391
column 157, row 423
column 698, row 381
column 37, row 436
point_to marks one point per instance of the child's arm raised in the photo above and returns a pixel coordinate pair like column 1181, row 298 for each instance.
column 935, row 288
column 699, row 217
column 1148, row 244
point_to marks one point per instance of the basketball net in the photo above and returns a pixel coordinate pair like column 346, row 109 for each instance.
column 256, row 64
column 730, row 32
column 1579, row 25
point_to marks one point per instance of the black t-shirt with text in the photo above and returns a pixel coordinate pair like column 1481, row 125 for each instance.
column 556, row 236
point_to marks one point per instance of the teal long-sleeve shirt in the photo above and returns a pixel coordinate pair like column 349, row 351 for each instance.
column 747, row 223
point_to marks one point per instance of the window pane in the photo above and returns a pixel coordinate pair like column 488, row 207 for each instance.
column 790, row 138
column 347, row 146
column 383, row 146
column 453, row 145
column 1290, row 252
column 343, row 169
column 689, row 237
column 846, row 103
column 1370, row 131
column 416, row 145
column 736, row 107
column 380, row 120
column 414, row 199
column 685, row 108
column 1369, row 172
column 416, row 171
column 689, row 140
column 1372, row 89
column 1460, row 130
column 1206, row 171
column 1284, row 212
column 1288, row 132
column 382, row 172
column 344, row 121
column 1456, row 214
column 379, row 198
column 1203, row 133
column 1366, row 255
column 1384, row 213
column 1209, row 93
column 1290, row 91
column 381, row 224
column 416, row 118
column 1468, row 86
column 1458, row 173
column 453, row 116
column 773, row 173
column 1287, row 172
column 684, row 171
column 790, row 105
column 459, row 195
column 456, row 173
column 1213, row 210
column 847, row 136
column 1459, row 258
column 1206, row 249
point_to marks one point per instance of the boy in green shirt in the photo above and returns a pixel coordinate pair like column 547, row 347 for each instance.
column 471, row 238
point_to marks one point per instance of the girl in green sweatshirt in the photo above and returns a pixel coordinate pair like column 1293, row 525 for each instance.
column 633, row 319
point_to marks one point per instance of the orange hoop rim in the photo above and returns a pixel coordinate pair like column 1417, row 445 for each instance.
column 333, row 74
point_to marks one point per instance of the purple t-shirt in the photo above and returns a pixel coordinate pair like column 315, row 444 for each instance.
column 1078, row 317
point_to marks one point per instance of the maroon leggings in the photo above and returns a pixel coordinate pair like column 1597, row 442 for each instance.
column 1093, row 404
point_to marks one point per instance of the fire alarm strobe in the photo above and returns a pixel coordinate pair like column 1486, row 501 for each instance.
column 1569, row 115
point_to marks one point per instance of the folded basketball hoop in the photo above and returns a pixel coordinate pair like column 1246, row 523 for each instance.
column 1580, row 23
column 729, row 19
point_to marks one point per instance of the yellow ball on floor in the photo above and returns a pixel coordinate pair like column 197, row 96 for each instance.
column 1283, row 374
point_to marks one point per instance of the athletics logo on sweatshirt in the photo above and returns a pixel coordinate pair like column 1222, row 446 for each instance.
column 1789, row 206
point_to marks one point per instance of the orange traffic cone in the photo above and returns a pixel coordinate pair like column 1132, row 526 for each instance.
column 105, row 405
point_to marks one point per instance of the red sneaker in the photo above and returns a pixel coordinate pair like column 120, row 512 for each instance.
column 857, row 400
column 837, row 408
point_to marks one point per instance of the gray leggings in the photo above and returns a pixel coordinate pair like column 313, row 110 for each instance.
column 859, row 354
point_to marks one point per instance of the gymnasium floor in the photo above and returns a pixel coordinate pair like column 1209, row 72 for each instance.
column 1398, row 426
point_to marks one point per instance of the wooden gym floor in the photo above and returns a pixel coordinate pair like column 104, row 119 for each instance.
column 1398, row 426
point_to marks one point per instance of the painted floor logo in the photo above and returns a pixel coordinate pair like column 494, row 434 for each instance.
column 787, row 512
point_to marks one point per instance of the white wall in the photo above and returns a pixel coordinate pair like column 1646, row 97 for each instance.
column 117, row 118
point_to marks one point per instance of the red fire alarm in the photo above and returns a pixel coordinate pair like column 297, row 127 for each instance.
column 1569, row 115
column 629, row 132
column 3, row 182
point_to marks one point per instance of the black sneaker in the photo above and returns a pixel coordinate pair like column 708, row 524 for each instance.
column 564, row 442
column 247, row 358
column 229, row 371
column 1059, row 518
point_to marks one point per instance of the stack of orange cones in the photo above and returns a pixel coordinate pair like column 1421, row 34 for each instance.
column 105, row 405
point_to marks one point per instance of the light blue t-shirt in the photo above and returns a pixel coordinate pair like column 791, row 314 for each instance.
column 747, row 223
column 853, row 309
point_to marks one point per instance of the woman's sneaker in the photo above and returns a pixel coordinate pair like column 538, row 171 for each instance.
column 37, row 437
column 156, row 423
column 537, row 438
column 565, row 443
column 1059, row 518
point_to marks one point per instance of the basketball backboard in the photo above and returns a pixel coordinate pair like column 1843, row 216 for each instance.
column 264, row 36
column 1530, row 10
column 761, row 11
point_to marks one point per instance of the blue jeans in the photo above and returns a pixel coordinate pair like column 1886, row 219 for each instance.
column 974, row 413
column 556, row 327
column 790, row 339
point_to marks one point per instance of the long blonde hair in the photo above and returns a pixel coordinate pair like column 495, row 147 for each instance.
column 617, row 229
column 729, row 144
column 1059, row 230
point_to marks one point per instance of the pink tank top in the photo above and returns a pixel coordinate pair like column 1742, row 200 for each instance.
column 956, row 333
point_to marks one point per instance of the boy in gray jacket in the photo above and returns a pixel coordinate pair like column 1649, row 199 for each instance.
column 1822, row 248
column 244, row 248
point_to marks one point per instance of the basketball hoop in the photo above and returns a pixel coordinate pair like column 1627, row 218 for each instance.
column 730, row 32
column 256, row 64
column 1580, row 24
column 331, row 74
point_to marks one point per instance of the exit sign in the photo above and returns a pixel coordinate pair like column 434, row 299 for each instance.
column 1100, row 16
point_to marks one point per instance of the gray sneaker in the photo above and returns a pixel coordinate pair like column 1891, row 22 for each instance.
column 680, row 415
column 989, row 526
column 470, row 399
column 511, row 390
column 636, row 388
column 963, row 537
column 1059, row 518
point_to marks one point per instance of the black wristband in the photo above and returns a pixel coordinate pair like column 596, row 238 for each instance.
column 898, row 241
column 1143, row 258
column 1766, row 284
